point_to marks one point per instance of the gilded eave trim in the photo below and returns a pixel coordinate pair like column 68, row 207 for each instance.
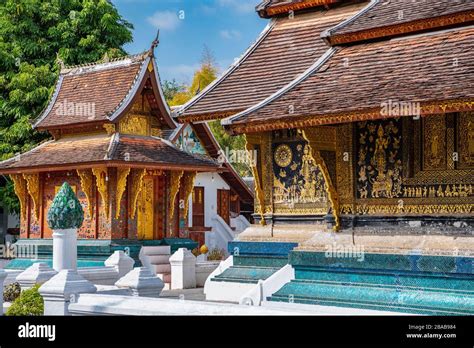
column 429, row 108
column 403, row 28
column 195, row 118
column 275, row 10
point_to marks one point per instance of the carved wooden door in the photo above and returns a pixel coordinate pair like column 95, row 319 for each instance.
column 198, row 207
column 223, row 205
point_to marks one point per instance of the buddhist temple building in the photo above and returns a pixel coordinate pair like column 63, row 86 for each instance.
column 360, row 110
column 362, row 115
column 133, row 168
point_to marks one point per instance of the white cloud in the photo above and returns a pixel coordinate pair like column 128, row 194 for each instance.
column 164, row 20
column 230, row 34
column 241, row 6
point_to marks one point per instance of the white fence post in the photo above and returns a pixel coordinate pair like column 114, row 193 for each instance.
column 183, row 269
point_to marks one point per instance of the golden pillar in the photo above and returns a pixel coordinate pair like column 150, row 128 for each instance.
column 311, row 135
column 258, row 146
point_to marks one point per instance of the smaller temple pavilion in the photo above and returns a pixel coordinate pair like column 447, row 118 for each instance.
column 110, row 127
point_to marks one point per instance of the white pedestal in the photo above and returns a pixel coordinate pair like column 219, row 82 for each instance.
column 63, row 289
column 183, row 269
column 65, row 249
column 141, row 282
column 121, row 262
column 38, row 273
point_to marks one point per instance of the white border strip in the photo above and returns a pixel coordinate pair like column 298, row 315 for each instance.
column 313, row 68
column 131, row 93
column 328, row 32
column 51, row 102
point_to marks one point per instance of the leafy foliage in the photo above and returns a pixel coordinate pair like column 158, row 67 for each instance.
column 29, row 303
column 216, row 254
column 180, row 94
column 33, row 33
column 11, row 292
column 172, row 88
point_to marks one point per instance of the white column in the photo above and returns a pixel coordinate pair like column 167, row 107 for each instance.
column 183, row 269
column 65, row 249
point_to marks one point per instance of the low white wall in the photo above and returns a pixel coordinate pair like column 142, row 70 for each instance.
column 240, row 223
column 103, row 304
column 204, row 270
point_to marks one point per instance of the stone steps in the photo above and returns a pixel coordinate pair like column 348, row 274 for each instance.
column 245, row 274
column 157, row 258
column 409, row 283
column 432, row 282
column 375, row 296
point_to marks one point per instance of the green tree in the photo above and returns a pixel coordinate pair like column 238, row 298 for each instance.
column 205, row 75
column 230, row 142
column 33, row 33
column 29, row 303
column 172, row 88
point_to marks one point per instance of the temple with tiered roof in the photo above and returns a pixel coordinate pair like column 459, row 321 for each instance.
column 362, row 115
column 133, row 168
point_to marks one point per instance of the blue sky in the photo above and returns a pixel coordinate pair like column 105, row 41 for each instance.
column 227, row 27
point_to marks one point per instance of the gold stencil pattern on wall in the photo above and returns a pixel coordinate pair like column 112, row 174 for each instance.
column 379, row 159
column 145, row 204
column 434, row 150
column 466, row 140
column 283, row 155
column 136, row 178
column 135, row 125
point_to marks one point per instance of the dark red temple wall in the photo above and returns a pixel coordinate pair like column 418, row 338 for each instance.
column 161, row 209
column 51, row 181
column 119, row 226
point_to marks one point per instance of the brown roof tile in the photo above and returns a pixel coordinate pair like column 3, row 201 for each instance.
column 83, row 150
column 154, row 150
column 91, row 92
column 422, row 68
column 286, row 50
column 68, row 150
column 413, row 16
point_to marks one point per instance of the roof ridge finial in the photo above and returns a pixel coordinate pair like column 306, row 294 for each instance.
column 155, row 42
column 60, row 62
column 105, row 58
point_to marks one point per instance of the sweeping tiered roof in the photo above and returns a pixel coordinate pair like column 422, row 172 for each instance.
column 109, row 86
column 285, row 49
column 112, row 88
column 117, row 150
column 350, row 83
column 397, row 17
